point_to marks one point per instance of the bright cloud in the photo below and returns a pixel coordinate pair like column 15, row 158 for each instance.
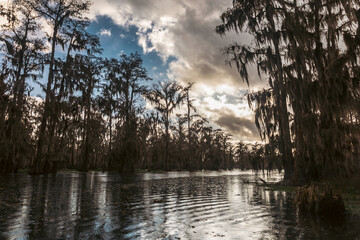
column 105, row 32
column 185, row 31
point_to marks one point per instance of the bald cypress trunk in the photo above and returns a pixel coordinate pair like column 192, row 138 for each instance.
column 190, row 153
column 41, row 165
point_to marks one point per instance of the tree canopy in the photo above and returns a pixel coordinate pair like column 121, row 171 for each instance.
column 309, row 52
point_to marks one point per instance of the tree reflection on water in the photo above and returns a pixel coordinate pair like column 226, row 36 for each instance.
column 200, row 205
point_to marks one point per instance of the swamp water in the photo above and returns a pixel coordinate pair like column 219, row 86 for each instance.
column 171, row 205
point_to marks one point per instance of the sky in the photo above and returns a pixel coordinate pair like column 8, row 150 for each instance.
column 178, row 42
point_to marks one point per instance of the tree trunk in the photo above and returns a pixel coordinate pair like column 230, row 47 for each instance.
column 281, row 94
column 190, row 163
column 38, row 165
column 166, row 164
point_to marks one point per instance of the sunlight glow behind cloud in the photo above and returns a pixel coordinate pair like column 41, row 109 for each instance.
column 185, row 31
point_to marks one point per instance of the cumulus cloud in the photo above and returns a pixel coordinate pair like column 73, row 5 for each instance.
column 105, row 32
column 185, row 31
column 2, row 19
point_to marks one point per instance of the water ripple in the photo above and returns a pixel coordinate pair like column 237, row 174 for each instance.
column 174, row 205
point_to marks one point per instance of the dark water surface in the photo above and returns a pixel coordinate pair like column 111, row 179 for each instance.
column 174, row 205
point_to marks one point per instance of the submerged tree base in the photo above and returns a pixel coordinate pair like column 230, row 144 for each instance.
column 319, row 199
column 349, row 191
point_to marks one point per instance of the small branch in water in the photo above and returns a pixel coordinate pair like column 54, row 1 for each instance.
column 263, row 180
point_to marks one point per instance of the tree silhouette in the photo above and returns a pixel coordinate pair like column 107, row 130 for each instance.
column 23, row 53
column 125, row 80
column 266, row 54
column 298, row 47
column 86, row 79
column 190, row 106
column 179, row 130
column 166, row 97
column 56, row 12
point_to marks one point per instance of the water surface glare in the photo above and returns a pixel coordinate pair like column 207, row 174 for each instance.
column 171, row 205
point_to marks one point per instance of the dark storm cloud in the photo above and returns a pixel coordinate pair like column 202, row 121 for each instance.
column 242, row 127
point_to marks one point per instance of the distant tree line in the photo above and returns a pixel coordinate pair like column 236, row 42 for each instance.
column 309, row 51
column 93, row 114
